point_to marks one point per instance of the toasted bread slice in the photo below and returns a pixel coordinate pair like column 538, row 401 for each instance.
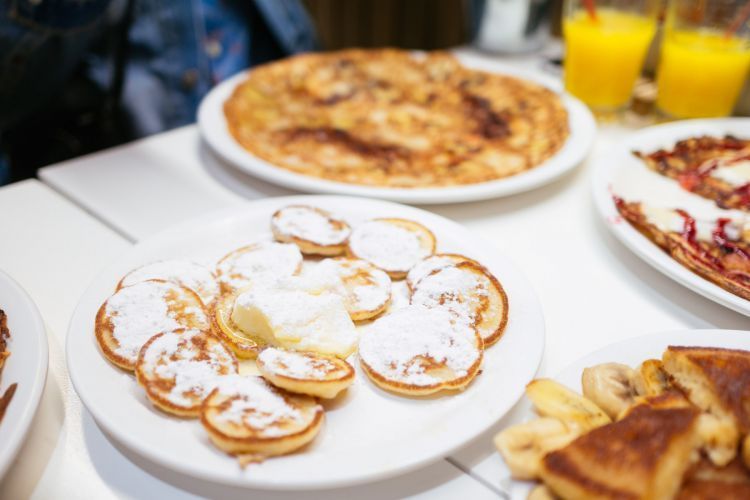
column 367, row 289
column 135, row 313
column 706, row 481
column 243, row 345
column 260, row 261
column 246, row 415
column 393, row 245
column 432, row 263
column 179, row 369
column 715, row 380
column 417, row 351
column 313, row 230
column 183, row 272
column 305, row 372
column 469, row 291
column 642, row 456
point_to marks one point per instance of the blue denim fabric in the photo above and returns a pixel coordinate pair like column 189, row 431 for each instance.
column 173, row 58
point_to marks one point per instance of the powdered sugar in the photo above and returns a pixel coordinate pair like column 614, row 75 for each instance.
column 298, row 365
column 260, row 261
column 393, row 345
column 257, row 405
column 366, row 288
column 310, row 224
column 194, row 368
column 298, row 319
column 454, row 288
column 427, row 266
column 180, row 271
column 140, row 311
column 386, row 245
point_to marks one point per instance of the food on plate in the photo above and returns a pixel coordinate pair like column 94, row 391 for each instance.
column 296, row 319
column 393, row 245
column 314, row 230
column 247, row 417
column 433, row 263
column 679, row 426
column 182, row 272
column 276, row 308
column 134, row 314
column 394, row 118
column 552, row 399
column 4, row 353
column 642, row 456
column 257, row 262
column 470, row 292
column 179, row 369
column 418, row 351
column 717, row 250
column 717, row 168
column 305, row 372
column 366, row 289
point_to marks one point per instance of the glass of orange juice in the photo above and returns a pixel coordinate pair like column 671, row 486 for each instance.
column 705, row 57
column 606, row 42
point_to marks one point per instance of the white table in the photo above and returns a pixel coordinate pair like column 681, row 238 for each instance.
column 593, row 291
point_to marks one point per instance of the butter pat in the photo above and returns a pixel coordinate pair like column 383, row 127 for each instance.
column 297, row 319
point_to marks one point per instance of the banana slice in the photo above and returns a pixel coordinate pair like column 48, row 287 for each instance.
column 541, row 492
column 651, row 379
column 552, row 399
column 524, row 445
column 610, row 386
column 719, row 438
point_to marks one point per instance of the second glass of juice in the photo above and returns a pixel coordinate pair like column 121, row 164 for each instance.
column 705, row 56
column 606, row 42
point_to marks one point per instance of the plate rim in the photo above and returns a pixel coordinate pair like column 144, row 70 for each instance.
column 601, row 179
column 519, row 489
column 110, row 429
column 18, row 432
column 583, row 131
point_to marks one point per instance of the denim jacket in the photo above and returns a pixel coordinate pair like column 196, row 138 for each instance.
column 176, row 50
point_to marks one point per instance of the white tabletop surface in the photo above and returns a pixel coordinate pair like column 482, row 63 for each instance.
column 593, row 291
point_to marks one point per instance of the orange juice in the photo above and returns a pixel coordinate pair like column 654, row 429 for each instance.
column 604, row 56
column 701, row 73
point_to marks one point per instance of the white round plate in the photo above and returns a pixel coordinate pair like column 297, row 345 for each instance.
column 370, row 434
column 620, row 171
column 213, row 127
column 630, row 352
column 26, row 366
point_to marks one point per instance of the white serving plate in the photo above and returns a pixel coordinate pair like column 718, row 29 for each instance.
column 630, row 352
column 619, row 171
column 27, row 366
column 370, row 434
column 213, row 127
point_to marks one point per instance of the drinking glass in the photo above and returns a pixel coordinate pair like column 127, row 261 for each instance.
column 705, row 56
column 606, row 42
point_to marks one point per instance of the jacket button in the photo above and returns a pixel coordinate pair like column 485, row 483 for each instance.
column 190, row 79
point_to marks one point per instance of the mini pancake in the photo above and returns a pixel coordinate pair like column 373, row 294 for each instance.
column 259, row 261
column 305, row 372
column 179, row 369
column 393, row 245
column 433, row 263
column 243, row 345
column 367, row 289
column 183, row 272
column 248, row 416
column 135, row 313
column 418, row 351
column 469, row 291
column 313, row 230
